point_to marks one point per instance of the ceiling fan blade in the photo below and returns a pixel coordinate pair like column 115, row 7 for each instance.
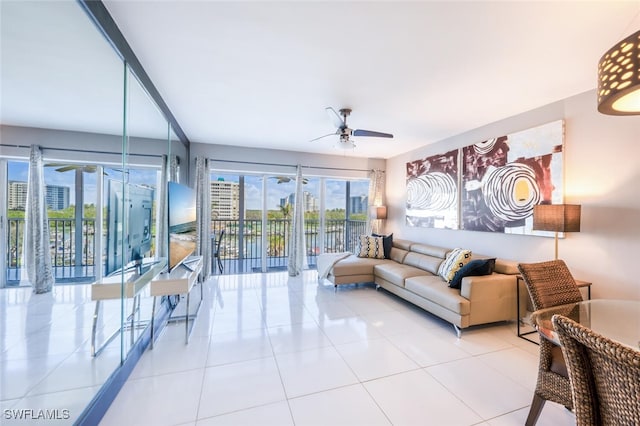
column 336, row 118
column 360, row 132
column 329, row 134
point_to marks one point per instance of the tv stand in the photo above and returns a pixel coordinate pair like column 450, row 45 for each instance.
column 178, row 281
column 129, row 283
column 188, row 262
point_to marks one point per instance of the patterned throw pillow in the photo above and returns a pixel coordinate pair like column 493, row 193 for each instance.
column 455, row 260
column 371, row 247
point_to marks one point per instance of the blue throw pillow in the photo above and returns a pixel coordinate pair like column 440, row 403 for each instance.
column 387, row 243
column 475, row 268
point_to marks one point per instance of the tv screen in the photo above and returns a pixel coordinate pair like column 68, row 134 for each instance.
column 182, row 223
column 129, row 218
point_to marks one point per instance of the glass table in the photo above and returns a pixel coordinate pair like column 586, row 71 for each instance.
column 618, row 320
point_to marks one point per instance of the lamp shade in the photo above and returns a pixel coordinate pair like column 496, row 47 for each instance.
column 619, row 78
column 378, row 212
column 556, row 217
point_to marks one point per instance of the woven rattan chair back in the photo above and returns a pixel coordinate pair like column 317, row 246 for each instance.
column 549, row 284
column 605, row 375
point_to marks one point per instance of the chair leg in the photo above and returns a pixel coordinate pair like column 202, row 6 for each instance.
column 535, row 410
column 220, row 267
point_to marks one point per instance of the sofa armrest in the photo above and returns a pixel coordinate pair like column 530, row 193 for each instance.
column 492, row 298
column 488, row 287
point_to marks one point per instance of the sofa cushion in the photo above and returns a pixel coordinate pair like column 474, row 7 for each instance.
column 403, row 244
column 475, row 268
column 387, row 244
column 430, row 250
column 428, row 263
column 354, row 265
column 396, row 273
column 398, row 255
column 433, row 289
column 455, row 260
column 371, row 247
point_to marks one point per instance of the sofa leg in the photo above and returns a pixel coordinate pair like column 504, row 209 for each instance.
column 458, row 331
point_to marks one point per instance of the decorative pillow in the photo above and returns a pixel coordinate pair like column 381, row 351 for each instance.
column 455, row 260
column 475, row 268
column 371, row 247
column 387, row 243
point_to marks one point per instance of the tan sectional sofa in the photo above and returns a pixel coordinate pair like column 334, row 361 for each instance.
column 412, row 273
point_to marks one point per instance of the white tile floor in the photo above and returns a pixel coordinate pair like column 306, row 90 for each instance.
column 269, row 349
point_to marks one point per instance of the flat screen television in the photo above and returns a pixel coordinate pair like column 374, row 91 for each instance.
column 129, row 218
column 182, row 223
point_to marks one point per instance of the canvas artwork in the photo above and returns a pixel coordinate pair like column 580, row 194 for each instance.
column 432, row 191
column 503, row 178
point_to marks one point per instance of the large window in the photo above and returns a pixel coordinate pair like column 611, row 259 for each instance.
column 71, row 208
column 255, row 214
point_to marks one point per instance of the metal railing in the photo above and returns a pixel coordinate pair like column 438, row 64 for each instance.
column 62, row 247
column 241, row 248
column 240, row 251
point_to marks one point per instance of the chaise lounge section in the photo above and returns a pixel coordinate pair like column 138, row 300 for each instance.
column 411, row 272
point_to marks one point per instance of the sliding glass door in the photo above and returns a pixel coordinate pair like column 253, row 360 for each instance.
column 254, row 213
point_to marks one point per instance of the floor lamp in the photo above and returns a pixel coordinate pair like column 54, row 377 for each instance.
column 556, row 218
column 378, row 213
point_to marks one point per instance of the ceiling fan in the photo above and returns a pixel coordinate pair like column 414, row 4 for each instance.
column 340, row 121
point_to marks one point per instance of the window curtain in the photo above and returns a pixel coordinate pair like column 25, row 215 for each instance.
column 376, row 198
column 203, row 215
column 36, row 233
column 168, row 172
column 174, row 162
column 297, row 249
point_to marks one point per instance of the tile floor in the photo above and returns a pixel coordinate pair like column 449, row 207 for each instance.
column 45, row 349
column 267, row 349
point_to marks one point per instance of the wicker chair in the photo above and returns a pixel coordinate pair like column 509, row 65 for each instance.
column 605, row 375
column 550, row 284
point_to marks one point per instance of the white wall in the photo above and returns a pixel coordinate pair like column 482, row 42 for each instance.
column 602, row 173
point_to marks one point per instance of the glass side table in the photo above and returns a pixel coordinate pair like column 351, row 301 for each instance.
column 523, row 323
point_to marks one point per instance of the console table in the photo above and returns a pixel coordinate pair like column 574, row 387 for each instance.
column 127, row 284
column 179, row 281
column 520, row 320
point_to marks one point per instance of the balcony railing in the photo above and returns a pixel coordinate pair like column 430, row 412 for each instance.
column 62, row 245
column 240, row 252
column 242, row 246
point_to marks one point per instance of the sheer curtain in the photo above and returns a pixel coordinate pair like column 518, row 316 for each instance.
column 376, row 197
column 203, row 216
column 297, row 249
column 37, row 257
column 169, row 172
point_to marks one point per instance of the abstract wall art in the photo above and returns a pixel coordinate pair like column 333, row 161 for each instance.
column 503, row 178
column 432, row 191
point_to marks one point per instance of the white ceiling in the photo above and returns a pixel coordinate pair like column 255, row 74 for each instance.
column 261, row 73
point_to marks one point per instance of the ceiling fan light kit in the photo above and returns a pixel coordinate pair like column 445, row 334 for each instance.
column 344, row 132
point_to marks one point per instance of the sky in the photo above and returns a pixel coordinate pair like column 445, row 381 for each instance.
column 334, row 190
column 19, row 171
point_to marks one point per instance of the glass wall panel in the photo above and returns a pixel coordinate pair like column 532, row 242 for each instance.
column 237, row 222
column 335, row 215
column 62, row 89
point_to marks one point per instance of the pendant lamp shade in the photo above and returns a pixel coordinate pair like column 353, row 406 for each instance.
column 619, row 78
